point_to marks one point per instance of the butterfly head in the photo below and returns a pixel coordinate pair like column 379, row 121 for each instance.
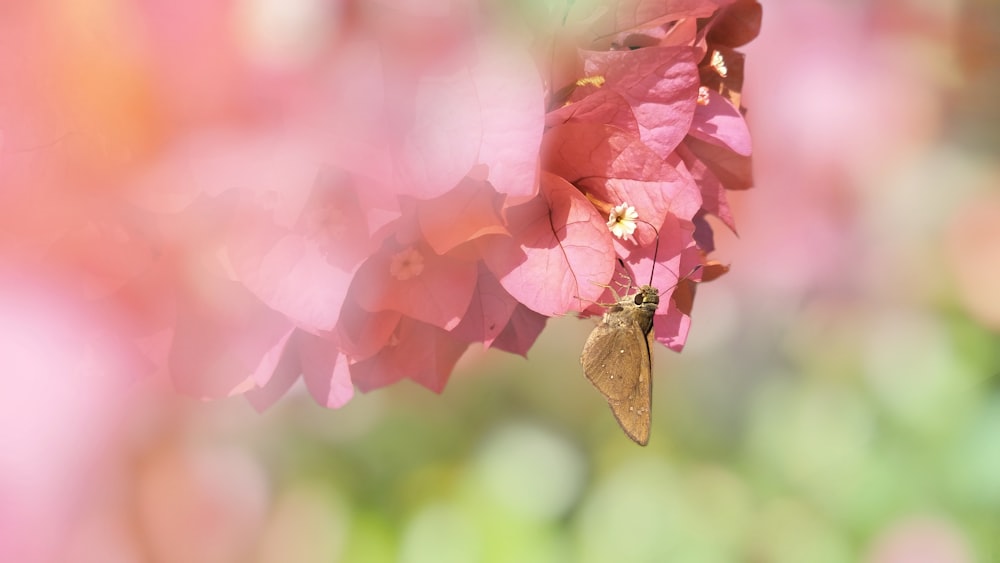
column 647, row 298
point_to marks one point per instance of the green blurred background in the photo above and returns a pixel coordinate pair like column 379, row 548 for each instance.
column 839, row 398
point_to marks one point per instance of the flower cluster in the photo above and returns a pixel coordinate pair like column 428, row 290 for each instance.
column 359, row 210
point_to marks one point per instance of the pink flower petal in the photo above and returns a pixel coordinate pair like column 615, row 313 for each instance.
column 443, row 144
column 713, row 193
column 659, row 84
column 676, row 257
column 560, row 251
column 732, row 169
column 469, row 211
column 226, row 341
column 672, row 327
column 324, row 370
column 295, row 278
column 521, row 332
column 596, row 105
column 363, row 333
column 488, row 110
column 285, row 374
column 298, row 251
column 437, row 291
column 719, row 123
column 424, row 353
column 321, row 365
column 511, row 97
column 488, row 313
column 630, row 15
column 616, row 168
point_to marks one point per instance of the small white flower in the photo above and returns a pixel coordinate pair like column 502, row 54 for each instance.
column 621, row 221
column 719, row 64
column 703, row 98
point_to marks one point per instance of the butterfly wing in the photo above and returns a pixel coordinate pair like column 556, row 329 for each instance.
column 611, row 355
column 616, row 360
column 634, row 411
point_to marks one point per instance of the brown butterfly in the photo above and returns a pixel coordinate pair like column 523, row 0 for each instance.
column 617, row 359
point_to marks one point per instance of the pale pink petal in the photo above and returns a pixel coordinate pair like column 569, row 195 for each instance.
column 442, row 352
column 488, row 111
column 511, row 98
column 713, row 193
column 421, row 352
column 719, row 123
column 672, row 326
column 470, row 210
column 659, row 84
column 521, row 332
column 325, row 370
column 631, row 15
column 732, row 169
column 438, row 294
column 226, row 341
column 284, row 376
column 560, row 252
column 363, row 333
column 443, row 144
column 295, row 278
column 616, row 167
column 298, row 255
column 597, row 105
column 488, row 313
column 677, row 257
column 321, row 365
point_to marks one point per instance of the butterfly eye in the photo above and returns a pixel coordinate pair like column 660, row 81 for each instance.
column 639, row 298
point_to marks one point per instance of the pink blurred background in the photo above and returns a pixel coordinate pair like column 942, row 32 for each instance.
column 873, row 226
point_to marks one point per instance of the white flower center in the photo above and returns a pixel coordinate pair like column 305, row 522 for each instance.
column 621, row 221
column 406, row 264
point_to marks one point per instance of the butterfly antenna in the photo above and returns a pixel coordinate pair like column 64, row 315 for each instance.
column 656, row 250
column 682, row 278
